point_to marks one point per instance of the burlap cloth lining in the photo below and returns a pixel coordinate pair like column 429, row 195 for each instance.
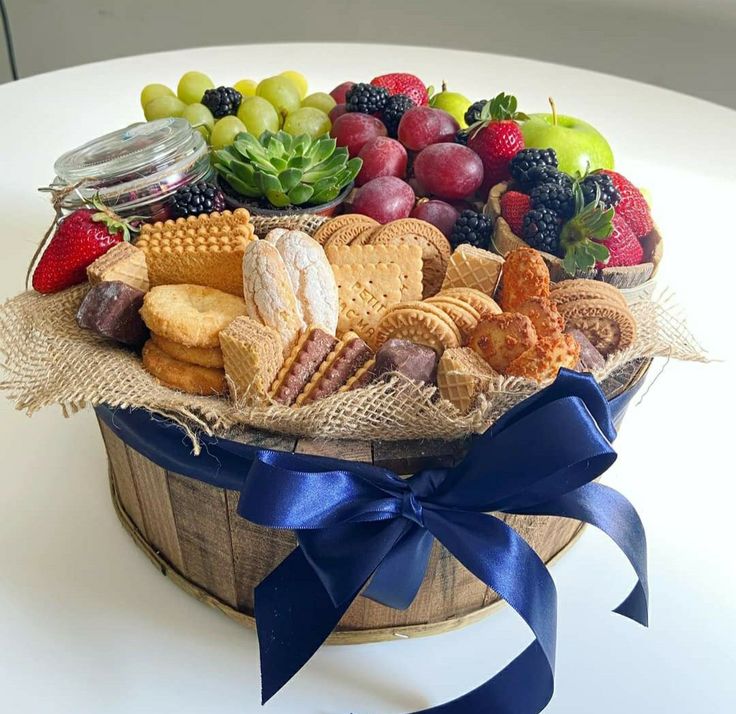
column 48, row 360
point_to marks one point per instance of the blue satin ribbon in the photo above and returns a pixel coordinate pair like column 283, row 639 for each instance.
column 361, row 528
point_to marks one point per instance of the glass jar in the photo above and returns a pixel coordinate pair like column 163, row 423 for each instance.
column 135, row 170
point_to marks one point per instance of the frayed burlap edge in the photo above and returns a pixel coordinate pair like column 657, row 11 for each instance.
column 48, row 359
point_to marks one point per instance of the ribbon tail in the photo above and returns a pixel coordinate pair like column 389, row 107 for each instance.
column 294, row 616
column 496, row 554
column 608, row 510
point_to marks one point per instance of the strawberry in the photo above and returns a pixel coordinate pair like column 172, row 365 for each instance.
column 623, row 245
column 497, row 138
column 632, row 207
column 514, row 206
column 79, row 239
column 403, row 83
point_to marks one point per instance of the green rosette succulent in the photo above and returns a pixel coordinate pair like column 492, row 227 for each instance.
column 286, row 170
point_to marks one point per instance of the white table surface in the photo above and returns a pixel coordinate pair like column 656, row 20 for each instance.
column 88, row 626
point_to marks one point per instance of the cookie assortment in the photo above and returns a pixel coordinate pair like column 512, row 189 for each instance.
column 289, row 318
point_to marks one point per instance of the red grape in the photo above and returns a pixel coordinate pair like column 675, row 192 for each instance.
column 381, row 157
column 438, row 213
column 355, row 129
column 449, row 171
column 337, row 111
column 448, row 126
column 339, row 92
column 419, row 127
column 384, row 199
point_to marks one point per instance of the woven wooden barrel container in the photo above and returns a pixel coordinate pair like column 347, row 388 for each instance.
column 190, row 530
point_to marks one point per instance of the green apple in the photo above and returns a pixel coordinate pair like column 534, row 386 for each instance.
column 580, row 147
column 453, row 103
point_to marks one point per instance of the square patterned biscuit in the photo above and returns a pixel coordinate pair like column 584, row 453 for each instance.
column 472, row 267
column 365, row 292
column 407, row 257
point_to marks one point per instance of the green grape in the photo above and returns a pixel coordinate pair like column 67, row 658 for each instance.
column 319, row 100
column 151, row 91
column 307, row 120
column 247, row 87
column 225, row 131
column 298, row 79
column 164, row 106
column 281, row 92
column 258, row 115
column 192, row 86
column 199, row 116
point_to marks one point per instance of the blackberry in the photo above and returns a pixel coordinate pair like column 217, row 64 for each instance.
column 365, row 98
column 541, row 230
column 395, row 108
column 538, row 175
column 461, row 137
column 222, row 101
column 527, row 159
column 608, row 192
column 198, row 198
column 473, row 228
column 558, row 198
column 472, row 113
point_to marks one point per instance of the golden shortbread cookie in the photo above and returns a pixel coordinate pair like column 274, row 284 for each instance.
column 366, row 292
column 436, row 248
column 484, row 304
column 472, row 267
column 269, row 295
column 544, row 315
column 542, row 362
column 418, row 322
column 407, row 257
column 124, row 263
column 203, row 356
column 253, row 355
column 203, row 250
column 461, row 376
column 330, row 227
column 191, row 315
column 609, row 326
column 500, row 339
column 525, row 275
column 462, row 313
column 185, row 377
column 583, row 289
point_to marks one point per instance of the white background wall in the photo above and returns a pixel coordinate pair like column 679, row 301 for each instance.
column 687, row 45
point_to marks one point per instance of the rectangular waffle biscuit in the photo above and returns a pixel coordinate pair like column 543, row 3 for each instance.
column 407, row 257
column 123, row 263
column 252, row 354
column 202, row 250
column 365, row 292
column 472, row 267
column 462, row 375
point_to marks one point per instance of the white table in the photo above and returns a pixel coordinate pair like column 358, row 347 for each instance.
column 88, row 626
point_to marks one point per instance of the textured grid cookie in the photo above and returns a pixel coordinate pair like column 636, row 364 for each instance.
column 472, row 267
column 418, row 322
column 366, row 292
column 407, row 257
column 252, row 353
column 199, row 250
column 124, row 263
column 461, row 376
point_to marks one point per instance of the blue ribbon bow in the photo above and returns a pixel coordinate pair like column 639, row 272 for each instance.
column 362, row 528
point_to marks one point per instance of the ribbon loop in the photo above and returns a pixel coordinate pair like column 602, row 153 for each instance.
column 411, row 508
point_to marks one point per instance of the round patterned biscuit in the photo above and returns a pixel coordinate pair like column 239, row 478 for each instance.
column 582, row 289
column 484, row 304
column 364, row 237
column 608, row 326
column 464, row 315
column 329, row 228
column 347, row 234
column 436, row 248
column 203, row 356
column 185, row 377
column 191, row 315
column 418, row 322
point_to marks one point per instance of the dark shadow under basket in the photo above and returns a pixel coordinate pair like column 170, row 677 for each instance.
column 190, row 530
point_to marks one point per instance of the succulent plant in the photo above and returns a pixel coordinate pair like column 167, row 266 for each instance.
column 286, row 170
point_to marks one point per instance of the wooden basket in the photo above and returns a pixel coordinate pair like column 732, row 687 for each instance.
column 190, row 530
column 625, row 278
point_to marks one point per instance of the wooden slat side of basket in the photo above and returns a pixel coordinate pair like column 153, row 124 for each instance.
column 192, row 532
